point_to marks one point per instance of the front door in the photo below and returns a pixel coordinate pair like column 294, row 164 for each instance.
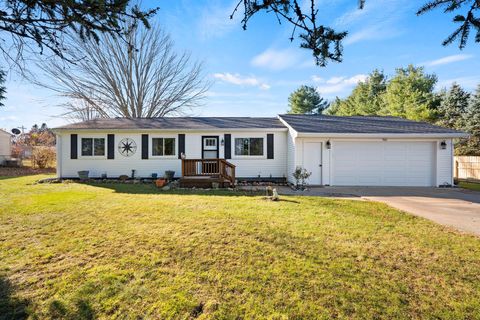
column 312, row 161
column 210, row 148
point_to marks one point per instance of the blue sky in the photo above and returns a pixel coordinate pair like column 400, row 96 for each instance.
column 254, row 71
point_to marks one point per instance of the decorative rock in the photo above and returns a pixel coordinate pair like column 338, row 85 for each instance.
column 275, row 196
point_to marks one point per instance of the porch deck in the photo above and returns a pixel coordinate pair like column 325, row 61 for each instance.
column 202, row 173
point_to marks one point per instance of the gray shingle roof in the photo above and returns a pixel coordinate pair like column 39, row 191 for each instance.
column 361, row 125
column 181, row 123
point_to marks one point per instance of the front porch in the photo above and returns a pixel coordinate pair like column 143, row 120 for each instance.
column 203, row 173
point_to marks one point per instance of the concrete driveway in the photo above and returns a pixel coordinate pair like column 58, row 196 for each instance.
column 458, row 208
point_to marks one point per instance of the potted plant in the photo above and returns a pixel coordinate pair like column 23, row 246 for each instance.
column 83, row 175
column 169, row 174
column 160, row 182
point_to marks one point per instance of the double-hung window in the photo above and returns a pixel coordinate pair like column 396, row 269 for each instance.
column 93, row 147
column 249, row 146
column 163, row 146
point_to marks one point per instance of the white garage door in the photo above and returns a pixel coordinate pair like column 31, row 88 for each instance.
column 383, row 163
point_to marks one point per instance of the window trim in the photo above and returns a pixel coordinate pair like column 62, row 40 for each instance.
column 150, row 142
column 258, row 136
column 93, row 137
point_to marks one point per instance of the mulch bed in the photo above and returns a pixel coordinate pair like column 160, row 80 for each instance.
column 23, row 171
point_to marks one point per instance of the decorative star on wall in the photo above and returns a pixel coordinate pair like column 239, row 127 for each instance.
column 127, row 147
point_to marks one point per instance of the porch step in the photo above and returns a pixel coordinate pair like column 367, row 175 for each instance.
column 202, row 182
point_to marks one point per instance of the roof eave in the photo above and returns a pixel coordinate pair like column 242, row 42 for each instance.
column 382, row 135
column 59, row 130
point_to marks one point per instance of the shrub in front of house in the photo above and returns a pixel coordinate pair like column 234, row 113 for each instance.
column 42, row 157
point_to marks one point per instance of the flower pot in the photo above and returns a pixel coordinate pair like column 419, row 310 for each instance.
column 169, row 175
column 83, row 175
column 160, row 182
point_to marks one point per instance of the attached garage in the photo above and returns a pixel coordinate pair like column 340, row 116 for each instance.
column 370, row 151
column 383, row 163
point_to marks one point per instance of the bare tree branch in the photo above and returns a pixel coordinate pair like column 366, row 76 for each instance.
column 140, row 77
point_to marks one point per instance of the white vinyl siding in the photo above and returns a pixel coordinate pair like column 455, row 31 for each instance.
column 290, row 156
column 445, row 163
column 376, row 162
column 245, row 166
column 5, row 146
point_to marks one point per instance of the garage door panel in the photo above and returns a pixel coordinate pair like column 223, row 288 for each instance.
column 383, row 163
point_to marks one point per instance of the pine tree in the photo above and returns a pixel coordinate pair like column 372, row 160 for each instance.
column 366, row 98
column 306, row 100
column 410, row 95
column 471, row 120
column 453, row 107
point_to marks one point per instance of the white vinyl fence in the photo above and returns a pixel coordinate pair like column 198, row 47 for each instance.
column 467, row 168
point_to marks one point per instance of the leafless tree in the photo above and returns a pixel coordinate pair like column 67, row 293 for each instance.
column 140, row 76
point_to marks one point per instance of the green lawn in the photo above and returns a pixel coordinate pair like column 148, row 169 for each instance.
column 74, row 251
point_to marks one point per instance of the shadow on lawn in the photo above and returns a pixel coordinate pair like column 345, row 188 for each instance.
column 11, row 307
column 143, row 188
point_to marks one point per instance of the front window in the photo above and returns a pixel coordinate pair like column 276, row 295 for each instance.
column 249, row 146
column 93, row 147
column 163, row 146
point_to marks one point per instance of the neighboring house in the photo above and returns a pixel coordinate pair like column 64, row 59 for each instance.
column 365, row 151
column 5, row 146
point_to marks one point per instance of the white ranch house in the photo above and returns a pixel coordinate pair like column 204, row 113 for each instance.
column 339, row 151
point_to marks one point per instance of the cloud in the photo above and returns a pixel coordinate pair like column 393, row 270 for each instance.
column 379, row 20
column 215, row 20
column 277, row 59
column 337, row 85
column 237, row 79
column 8, row 118
column 468, row 83
column 372, row 33
column 447, row 60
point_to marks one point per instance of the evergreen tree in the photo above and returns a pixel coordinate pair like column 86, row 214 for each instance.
column 365, row 99
column 45, row 23
column 306, row 100
column 334, row 107
column 453, row 107
column 409, row 94
column 471, row 121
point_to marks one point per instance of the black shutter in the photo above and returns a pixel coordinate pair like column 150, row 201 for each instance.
column 74, row 146
column 228, row 146
column 270, row 146
column 110, row 146
column 181, row 145
column 144, row 146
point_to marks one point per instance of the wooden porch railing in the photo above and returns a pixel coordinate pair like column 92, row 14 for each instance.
column 220, row 168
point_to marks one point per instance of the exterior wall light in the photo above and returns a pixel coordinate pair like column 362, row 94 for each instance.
column 222, row 142
column 443, row 145
column 328, row 145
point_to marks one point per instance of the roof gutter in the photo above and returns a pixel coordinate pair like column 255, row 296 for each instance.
column 60, row 130
column 382, row 135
